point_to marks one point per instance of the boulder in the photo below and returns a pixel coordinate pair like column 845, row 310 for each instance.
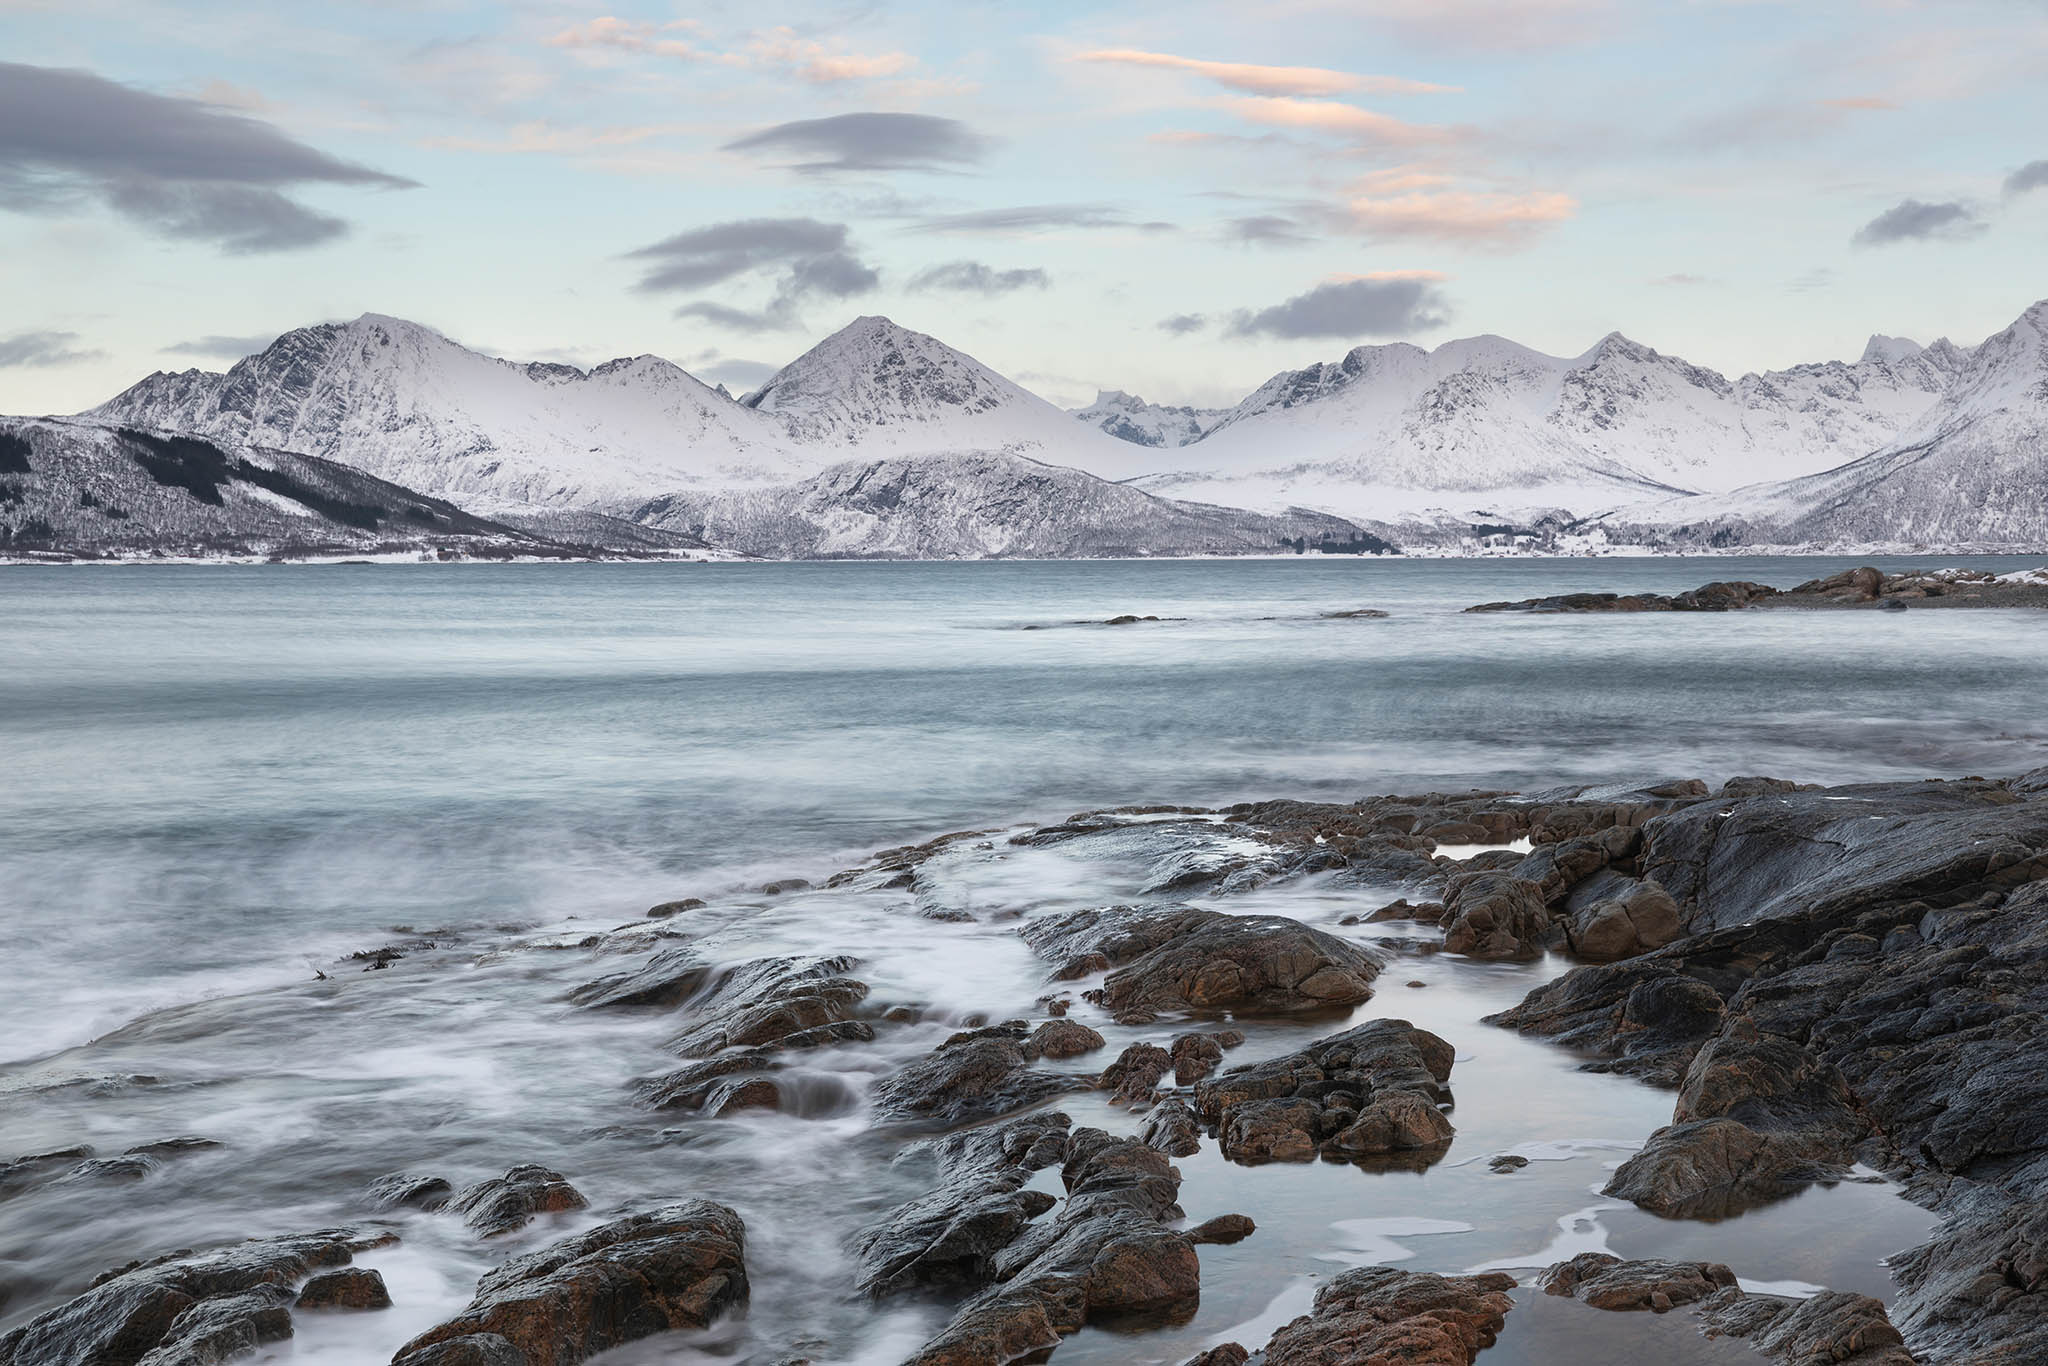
column 950, row 1236
column 1224, row 1228
column 1194, row 1056
column 1646, row 1017
column 769, row 1002
column 1833, row 1328
column 1608, row 1282
column 505, row 1204
column 1172, row 1128
column 178, row 1309
column 678, row 1267
column 1495, row 915
column 1137, row 1071
column 1195, row 960
column 1059, row 1039
column 407, row 1190
column 349, row 1288
column 1369, row 1092
column 1377, row 1314
column 472, row 1349
column 961, row 1082
column 1640, row 917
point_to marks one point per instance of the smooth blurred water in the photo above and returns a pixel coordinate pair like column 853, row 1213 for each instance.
column 217, row 781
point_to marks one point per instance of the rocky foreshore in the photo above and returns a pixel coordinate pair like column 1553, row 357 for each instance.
column 1833, row 983
column 1863, row 588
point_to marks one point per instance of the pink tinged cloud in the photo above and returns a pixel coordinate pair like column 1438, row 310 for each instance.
column 626, row 35
column 1481, row 218
column 1345, row 120
column 1254, row 79
column 820, row 65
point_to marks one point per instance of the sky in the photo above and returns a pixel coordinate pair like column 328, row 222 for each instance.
column 1174, row 199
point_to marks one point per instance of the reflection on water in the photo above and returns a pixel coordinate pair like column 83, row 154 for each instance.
column 224, row 781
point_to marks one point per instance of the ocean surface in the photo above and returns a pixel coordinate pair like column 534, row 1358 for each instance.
column 220, row 782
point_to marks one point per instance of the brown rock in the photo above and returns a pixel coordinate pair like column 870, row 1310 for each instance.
column 1133, row 1077
column 1224, row 1228
column 1607, row 1282
column 1377, row 1315
column 669, row 908
column 1194, row 1056
column 1172, row 1128
column 349, row 1288
column 1062, row 1039
column 1364, row 1093
column 506, row 1203
column 1495, row 915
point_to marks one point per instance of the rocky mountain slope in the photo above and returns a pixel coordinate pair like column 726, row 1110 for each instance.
column 975, row 506
column 405, row 403
column 1130, row 418
column 1971, row 470
column 72, row 489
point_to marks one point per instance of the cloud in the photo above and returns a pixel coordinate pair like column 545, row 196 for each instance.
column 232, row 348
column 177, row 167
column 1180, row 324
column 1267, row 80
column 972, row 277
column 1384, row 304
column 1912, row 220
column 1036, row 218
column 1346, row 120
column 820, row 65
column 38, row 349
column 1683, row 280
column 738, row 375
column 1820, row 277
column 1486, row 218
column 869, row 142
column 1269, row 230
column 807, row 258
column 625, row 35
column 2032, row 176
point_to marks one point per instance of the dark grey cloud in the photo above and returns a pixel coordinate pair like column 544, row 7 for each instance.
column 1268, row 230
column 869, row 142
column 972, row 277
column 1396, row 306
column 1033, row 218
column 231, row 348
column 2032, row 176
column 36, row 349
column 178, row 167
column 806, row 258
column 1180, row 324
column 1915, row 221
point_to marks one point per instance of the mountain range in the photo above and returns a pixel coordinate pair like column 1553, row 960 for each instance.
column 884, row 441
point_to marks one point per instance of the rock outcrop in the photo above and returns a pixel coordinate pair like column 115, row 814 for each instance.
column 505, row 1204
column 1377, row 1314
column 681, row 1266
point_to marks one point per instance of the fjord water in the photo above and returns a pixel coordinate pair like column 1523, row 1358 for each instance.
column 221, row 781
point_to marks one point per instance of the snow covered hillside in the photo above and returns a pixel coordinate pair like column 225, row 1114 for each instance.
column 1130, row 418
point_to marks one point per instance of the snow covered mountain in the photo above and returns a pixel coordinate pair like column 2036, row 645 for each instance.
column 874, row 388
column 1971, row 470
column 71, row 488
column 406, row 404
column 975, row 506
column 1487, row 427
column 1130, row 418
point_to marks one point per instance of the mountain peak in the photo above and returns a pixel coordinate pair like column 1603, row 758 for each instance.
column 1883, row 348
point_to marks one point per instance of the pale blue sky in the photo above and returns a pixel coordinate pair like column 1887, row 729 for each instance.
column 1742, row 182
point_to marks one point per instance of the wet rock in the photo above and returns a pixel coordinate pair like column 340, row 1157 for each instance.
column 784, row 886
column 667, row 979
column 1172, row 1128
column 123, row 1168
column 1176, row 960
column 769, row 1001
column 471, row 1349
column 1831, row 1327
column 1709, row 597
column 1194, row 1056
column 182, row 1146
column 349, row 1288
column 1376, row 1314
column 959, row 1083
column 36, row 1168
column 1642, row 918
column 1060, row 1039
column 678, row 1267
column 1224, row 1228
column 949, row 1237
column 1106, row 1255
column 1647, row 1017
column 1507, row 1162
column 1607, row 1282
column 1715, row 1168
column 1229, row 1354
column 1495, row 915
column 669, row 908
column 184, row 1309
column 1359, row 1095
column 1133, row 1078
column 1978, row 1291
column 406, row 1190
column 504, row 1204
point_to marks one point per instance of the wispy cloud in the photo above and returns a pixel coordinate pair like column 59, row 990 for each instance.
column 1254, row 79
column 1346, row 120
column 608, row 32
column 220, row 347
column 1027, row 218
column 869, row 142
column 39, row 349
column 179, row 168
column 972, row 277
column 805, row 257
column 1477, row 217
column 1492, row 25
column 1267, row 230
column 1181, row 324
column 1914, row 220
column 821, row 65
column 1382, row 304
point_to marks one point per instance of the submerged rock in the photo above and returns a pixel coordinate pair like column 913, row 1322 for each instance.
column 681, row 1266
column 504, row 1204
column 979, row 1078
column 1361, row 1095
column 1608, row 1282
column 407, row 1190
